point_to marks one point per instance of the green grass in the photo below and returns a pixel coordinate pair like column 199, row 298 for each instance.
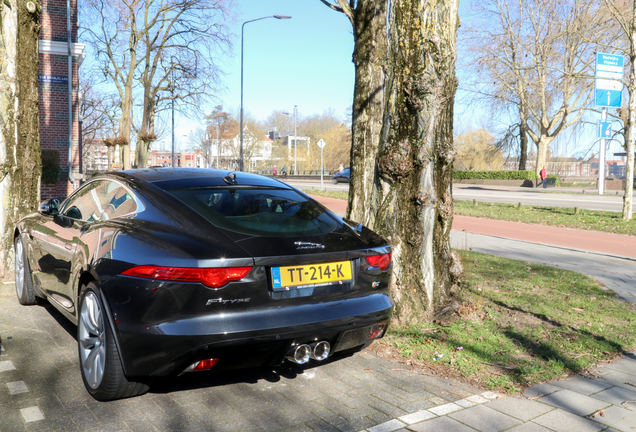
column 330, row 194
column 519, row 324
column 593, row 220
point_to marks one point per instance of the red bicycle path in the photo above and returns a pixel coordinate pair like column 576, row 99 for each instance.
column 613, row 244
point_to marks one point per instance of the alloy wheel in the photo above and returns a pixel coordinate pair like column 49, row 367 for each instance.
column 91, row 340
column 19, row 268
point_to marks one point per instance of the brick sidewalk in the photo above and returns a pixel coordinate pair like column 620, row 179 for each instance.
column 41, row 388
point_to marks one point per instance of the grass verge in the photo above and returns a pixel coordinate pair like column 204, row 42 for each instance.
column 593, row 220
column 516, row 325
column 330, row 194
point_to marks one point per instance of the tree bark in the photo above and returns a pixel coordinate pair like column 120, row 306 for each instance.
column 523, row 140
column 416, row 156
column 21, row 154
column 631, row 121
column 369, row 57
column 543, row 143
column 146, row 134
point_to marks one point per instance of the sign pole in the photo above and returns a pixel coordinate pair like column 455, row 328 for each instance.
column 608, row 89
column 322, row 169
column 601, row 158
column 322, row 145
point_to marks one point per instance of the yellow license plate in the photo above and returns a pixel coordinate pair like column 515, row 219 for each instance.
column 311, row 275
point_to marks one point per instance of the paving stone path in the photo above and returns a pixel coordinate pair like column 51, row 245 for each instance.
column 41, row 389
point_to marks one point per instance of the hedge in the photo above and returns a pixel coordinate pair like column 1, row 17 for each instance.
column 50, row 166
column 494, row 175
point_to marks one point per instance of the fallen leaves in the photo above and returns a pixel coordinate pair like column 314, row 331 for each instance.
column 600, row 412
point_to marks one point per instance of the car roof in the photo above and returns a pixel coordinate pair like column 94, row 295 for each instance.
column 180, row 178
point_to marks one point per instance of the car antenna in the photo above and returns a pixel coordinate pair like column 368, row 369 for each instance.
column 230, row 178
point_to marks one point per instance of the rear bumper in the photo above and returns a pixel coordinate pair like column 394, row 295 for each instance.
column 154, row 341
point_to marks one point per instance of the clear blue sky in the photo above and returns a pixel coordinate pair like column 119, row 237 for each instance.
column 304, row 61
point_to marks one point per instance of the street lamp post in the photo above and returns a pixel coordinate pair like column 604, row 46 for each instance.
column 172, row 125
column 295, row 140
column 172, row 95
column 242, row 32
column 218, row 146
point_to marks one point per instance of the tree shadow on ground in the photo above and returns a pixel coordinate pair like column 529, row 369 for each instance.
column 197, row 380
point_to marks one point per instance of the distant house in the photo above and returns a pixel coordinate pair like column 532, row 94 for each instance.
column 561, row 166
column 257, row 152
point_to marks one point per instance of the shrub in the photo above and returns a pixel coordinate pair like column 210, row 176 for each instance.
column 50, row 166
column 494, row 175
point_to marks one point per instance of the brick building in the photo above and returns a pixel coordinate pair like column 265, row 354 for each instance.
column 54, row 90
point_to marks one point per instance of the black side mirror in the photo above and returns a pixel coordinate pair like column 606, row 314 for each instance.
column 50, row 207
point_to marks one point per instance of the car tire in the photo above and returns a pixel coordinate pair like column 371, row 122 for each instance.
column 23, row 282
column 335, row 181
column 100, row 362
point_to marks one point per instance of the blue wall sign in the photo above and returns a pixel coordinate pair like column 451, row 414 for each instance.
column 53, row 79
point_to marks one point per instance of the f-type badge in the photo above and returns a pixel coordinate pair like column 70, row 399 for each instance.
column 230, row 301
column 307, row 245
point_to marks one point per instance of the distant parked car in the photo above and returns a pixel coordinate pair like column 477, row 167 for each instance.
column 342, row 176
column 176, row 270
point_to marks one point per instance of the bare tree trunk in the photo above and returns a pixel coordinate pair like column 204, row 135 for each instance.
column 369, row 57
column 542, row 153
column 415, row 156
column 523, row 140
column 21, row 155
column 111, row 157
column 631, row 120
column 146, row 135
column 370, row 49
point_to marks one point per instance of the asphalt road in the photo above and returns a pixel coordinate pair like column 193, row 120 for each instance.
column 552, row 197
column 539, row 197
column 315, row 184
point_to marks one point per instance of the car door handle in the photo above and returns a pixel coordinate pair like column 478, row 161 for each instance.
column 68, row 246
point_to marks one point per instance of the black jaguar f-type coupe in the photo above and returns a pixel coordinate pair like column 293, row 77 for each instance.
column 169, row 271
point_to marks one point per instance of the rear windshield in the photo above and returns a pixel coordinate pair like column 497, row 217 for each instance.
column 259, row 211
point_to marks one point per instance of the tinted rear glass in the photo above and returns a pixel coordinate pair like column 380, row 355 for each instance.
column 259, row 211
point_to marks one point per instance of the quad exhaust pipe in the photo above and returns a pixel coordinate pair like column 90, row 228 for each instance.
column 316, row 350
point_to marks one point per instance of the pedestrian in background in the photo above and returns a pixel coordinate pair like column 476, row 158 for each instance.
column 543, row 174
column 274, row 172
column 284, row 171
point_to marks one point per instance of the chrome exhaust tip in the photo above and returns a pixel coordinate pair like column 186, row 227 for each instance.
column 320, row 350
column 300, row 355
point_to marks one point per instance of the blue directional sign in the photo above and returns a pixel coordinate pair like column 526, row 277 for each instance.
column 608, row 85
column 604, row 129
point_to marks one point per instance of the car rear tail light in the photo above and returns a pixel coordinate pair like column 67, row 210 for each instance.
column 204, row 364
column 358, row 337
column 212, row 277
column 201, row 365
column 381, row 262
column 377, row 331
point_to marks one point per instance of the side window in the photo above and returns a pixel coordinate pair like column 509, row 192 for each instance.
column 84, row 205
column 117, row 201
